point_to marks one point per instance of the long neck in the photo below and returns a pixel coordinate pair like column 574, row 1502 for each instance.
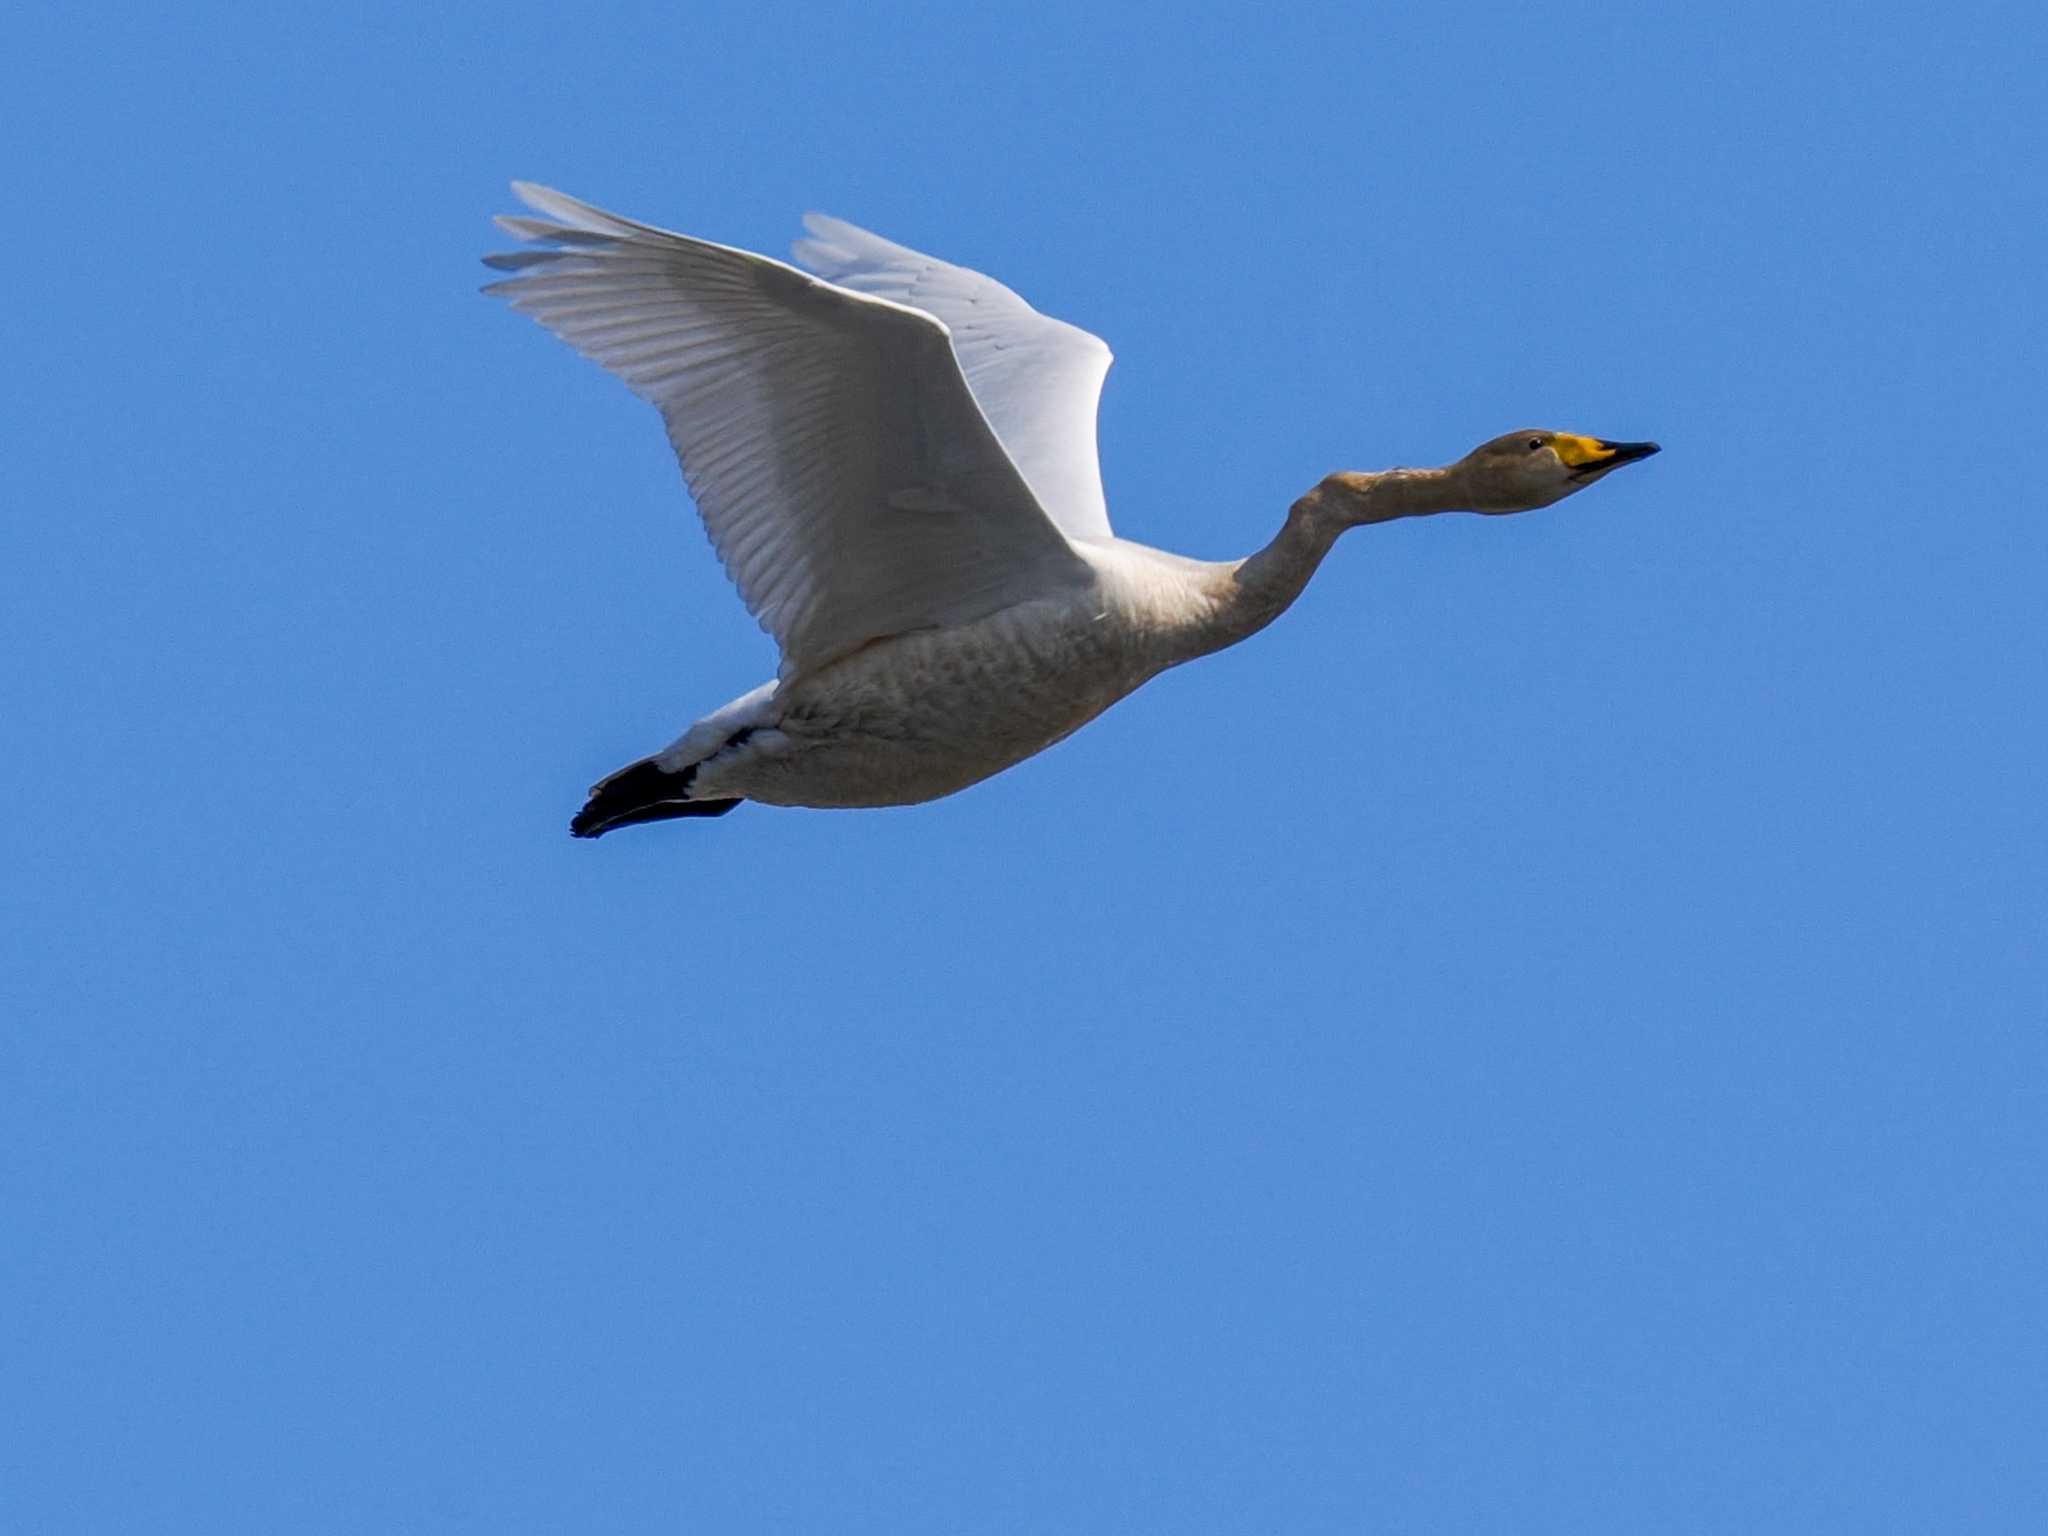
column 1250, row 594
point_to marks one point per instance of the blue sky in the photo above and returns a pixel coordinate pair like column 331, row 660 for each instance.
column 1549, row 1037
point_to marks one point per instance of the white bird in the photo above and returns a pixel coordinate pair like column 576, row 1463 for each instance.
column 895, row 460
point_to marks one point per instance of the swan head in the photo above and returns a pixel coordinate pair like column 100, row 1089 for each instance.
column 1535, row 467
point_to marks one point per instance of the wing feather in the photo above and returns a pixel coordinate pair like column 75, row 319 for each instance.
column 1038, row 380
column 849, row 481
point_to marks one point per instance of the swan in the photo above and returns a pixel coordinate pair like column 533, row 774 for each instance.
column 895, row 460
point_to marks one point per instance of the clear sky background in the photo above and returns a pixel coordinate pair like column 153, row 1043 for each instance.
column 1549, row 1037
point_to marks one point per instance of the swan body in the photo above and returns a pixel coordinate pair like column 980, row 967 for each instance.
column 895, row 460
column 920, row 715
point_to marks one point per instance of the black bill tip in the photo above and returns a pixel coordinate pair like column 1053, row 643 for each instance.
column 1628, row 453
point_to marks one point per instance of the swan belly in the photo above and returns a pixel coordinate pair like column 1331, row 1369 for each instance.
column 921, row 715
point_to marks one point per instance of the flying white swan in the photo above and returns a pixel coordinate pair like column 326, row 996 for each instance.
column 895, row 459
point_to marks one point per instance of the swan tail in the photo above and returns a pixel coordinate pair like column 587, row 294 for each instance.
column 643, row 791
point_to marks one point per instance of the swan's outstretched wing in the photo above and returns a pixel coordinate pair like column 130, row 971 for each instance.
column 1038, row 379
column 849, row 481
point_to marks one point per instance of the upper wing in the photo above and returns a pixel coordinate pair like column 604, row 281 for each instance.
column 1038, row 379
column 849, row 482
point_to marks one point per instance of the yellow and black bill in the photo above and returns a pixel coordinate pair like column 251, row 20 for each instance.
column 1588, row 455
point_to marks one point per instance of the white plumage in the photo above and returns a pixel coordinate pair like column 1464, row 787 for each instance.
column 1037, row 379
column 847, row 476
